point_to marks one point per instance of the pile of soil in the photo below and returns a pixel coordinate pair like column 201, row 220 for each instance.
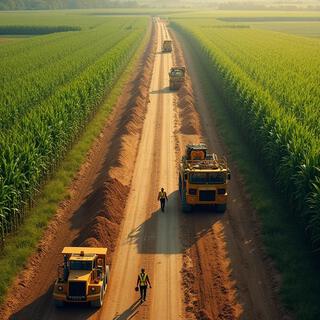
column 190, row 124
column 103, row 229
column 189, row 118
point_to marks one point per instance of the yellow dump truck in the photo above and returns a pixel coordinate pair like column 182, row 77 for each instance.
column 203, row 179
column 83, row 277
column 176, row 77
column 167, row 46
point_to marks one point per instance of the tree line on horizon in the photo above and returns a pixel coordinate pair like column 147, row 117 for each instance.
column 64, row 4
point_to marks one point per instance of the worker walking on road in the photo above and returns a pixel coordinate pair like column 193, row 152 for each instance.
column 143, row 282
column 162, row 196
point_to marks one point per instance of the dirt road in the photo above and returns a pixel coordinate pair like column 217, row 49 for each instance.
column 202, row 265
column 150, row 238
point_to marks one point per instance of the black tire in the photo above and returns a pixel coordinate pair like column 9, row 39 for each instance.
column 107, row 277
column 98, row 303
column 185, row 206
column 59, row 303
column 221, row 208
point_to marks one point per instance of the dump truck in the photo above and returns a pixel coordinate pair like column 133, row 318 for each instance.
column 176, row 77
column 167, row 46
column 203, row 179
column 83, row 276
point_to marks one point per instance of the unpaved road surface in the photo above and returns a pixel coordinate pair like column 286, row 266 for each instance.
column 201, row 265
column 151, row 238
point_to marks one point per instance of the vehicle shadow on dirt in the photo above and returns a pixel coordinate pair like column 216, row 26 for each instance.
column 130, row 312
column 164, row 90
column 172, row 231
column 44, row 308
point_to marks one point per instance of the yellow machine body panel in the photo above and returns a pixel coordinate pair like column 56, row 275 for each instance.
column 79, row 275
column 85, row 250
column 203, row 179
column 83, row 277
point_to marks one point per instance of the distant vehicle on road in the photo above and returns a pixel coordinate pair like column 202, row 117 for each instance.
column 167, row 46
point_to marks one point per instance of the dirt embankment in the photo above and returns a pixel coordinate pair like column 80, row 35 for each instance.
column 103, row 229
column 208, row 290
column 93, row 213
column 189, row 118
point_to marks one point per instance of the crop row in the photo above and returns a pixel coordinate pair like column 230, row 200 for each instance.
column 270, row 83
column 28, row 30
column 57, row 71
column 43, row 111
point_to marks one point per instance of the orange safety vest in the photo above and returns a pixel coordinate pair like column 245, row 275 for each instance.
column 143, row 279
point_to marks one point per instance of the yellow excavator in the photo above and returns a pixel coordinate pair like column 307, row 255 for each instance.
column 83, row 277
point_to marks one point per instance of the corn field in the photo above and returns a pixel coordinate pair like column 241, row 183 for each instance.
column 50, row 87
column 270, row 83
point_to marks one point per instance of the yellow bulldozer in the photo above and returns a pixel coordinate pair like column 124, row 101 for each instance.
column 167, row 46
column 203, row 179
column 83, row 277
column 176, row 77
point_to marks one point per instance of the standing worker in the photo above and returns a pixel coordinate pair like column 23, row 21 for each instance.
column 143, row 282
column 162, row 196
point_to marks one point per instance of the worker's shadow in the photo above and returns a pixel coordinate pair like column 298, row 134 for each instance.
column 129, row 313
column 172, row 231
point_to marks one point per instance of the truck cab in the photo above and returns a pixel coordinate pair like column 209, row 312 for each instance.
column 83, row 276
column 167, row 46
column 176, row 77
column 203, row 179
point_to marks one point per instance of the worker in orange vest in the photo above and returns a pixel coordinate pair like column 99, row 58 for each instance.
column 143, row 282
column 162, row 196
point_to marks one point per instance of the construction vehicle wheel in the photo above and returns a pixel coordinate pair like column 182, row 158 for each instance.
column 180, row 186
column 59, row 303
column 185, row 207
column 98, row 303
column 221, row 208
column 107, row 277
